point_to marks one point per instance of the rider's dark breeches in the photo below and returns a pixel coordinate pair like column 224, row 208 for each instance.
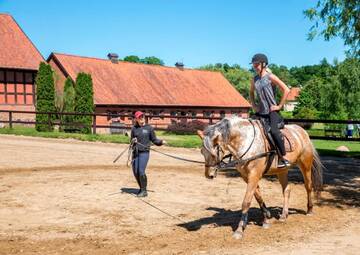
column 275, row 132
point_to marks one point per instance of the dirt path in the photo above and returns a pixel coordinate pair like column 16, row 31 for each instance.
column 65, row 197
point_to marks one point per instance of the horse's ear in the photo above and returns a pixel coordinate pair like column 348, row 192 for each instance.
column 200, row 134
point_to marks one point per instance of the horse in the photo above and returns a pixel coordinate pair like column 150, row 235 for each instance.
column 246, row 140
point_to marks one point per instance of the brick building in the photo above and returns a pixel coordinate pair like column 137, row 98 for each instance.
column 19, row 62
column 124, row 87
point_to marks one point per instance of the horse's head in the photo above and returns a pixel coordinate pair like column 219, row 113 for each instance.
column 214, row 145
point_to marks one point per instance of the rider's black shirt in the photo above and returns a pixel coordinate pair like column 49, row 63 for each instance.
column 144, row 135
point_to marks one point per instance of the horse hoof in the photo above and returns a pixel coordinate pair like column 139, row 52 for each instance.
column 237, row 235
column 266, row 225
column 282, row 218
column 310, row 214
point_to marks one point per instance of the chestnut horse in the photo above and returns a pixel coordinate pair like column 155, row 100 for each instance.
column 245, row 139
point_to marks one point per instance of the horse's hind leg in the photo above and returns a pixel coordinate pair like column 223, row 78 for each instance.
column 283, row 178
column 265, row 211
column 305, row 164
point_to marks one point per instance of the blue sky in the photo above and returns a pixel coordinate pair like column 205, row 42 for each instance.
column 196, row 32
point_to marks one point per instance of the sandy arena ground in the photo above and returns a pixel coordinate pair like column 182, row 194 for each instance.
column 67, row 197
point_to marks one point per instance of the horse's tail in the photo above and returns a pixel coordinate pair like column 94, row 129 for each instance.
column 317, row 172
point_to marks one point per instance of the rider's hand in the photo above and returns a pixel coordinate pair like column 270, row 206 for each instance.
column 274, row 108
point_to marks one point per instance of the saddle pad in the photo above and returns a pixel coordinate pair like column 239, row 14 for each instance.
column 289, row 140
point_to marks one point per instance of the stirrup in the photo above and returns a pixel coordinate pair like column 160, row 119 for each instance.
column 282, row 163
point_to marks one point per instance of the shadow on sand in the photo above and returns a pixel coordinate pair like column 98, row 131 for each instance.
column 229, row 218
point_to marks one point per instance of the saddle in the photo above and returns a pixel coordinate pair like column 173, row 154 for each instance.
column 288, row 138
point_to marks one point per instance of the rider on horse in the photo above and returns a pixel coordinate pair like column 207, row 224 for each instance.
column 264, row 83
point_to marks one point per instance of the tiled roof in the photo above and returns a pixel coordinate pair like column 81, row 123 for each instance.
column 294, row 93
column 128, row 83
column 16, row 49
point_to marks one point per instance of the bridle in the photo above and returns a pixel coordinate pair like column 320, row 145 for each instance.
column 220, row 161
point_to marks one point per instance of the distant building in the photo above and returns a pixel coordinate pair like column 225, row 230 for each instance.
column 19, row 62
column 124, row 87
column 292, row 99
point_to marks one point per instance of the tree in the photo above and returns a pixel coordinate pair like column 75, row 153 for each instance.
column 349, row 77
column 45, row 96
column 152, row 61
column 68, row 102
column 84, row 100
column 337, row 18
column 237, row 76
column 132, row 58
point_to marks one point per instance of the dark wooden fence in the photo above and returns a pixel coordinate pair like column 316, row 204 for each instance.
column 327, row 134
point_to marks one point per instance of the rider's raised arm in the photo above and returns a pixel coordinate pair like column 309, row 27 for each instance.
column 252, row 95
column 284, row 89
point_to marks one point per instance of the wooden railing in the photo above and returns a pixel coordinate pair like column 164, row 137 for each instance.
column 328, row 134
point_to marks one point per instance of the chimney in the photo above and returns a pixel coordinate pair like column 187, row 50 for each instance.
column 179, row 65
column 114, row 58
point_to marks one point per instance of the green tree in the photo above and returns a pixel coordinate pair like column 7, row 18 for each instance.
column 132, row 58
column 45, row 96
column 237, row 76
column 152, row 61
column 333, row 18
column 84, row 100
column 349, row 77
column 284, row 74
column 69, row 102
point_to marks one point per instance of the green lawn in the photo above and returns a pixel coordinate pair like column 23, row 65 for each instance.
column 174, row 140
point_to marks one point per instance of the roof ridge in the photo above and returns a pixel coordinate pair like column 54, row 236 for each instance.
column 133, row 63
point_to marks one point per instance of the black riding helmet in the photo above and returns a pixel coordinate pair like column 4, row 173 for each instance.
column 259, row 58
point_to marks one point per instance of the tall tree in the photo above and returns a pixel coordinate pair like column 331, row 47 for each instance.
column 84, row 100
column 349, row 78
column 69, row 102
column 334, row 18
column 45, row 96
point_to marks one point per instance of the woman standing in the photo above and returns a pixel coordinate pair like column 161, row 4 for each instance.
column 142, row 135
column 264, row 83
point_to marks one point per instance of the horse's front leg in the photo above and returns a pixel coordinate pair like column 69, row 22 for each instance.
column 253, row 180
column 264, row 209
column 283, row 178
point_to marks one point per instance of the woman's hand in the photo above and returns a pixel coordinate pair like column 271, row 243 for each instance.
column 274, row 108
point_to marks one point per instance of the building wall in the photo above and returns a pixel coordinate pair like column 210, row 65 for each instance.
column 159, row 122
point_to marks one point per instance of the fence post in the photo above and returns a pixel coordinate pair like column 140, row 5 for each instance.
column 94, row 124
column 10, row 119
column 49, row 121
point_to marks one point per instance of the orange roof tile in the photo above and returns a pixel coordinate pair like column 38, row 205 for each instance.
column 16, row 49
column 294, row 93
column 128, row 83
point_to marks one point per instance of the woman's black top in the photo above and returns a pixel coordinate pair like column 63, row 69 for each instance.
column 144, row 136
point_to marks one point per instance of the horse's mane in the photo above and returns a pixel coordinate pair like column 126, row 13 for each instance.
column 222, row 126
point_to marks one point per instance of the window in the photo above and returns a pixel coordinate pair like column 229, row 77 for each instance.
column 173, row 113
column 10, row 76
column 207, row 114
column 222, row 114
column 29, row 78
column 19, row 77
column 2, row 76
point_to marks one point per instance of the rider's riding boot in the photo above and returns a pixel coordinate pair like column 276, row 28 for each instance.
column 143, row 184
column 283, row 162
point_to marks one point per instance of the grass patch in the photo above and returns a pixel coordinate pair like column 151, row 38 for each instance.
column 329, row 148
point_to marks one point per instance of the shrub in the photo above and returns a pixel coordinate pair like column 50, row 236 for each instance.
column 45, row 97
